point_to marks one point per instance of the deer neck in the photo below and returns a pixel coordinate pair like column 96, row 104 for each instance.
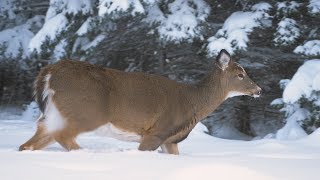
column 208, row 94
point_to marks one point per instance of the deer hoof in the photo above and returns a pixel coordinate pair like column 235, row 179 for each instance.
column 24, row 147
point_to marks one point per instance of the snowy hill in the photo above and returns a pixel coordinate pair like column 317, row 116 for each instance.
column 202, row 157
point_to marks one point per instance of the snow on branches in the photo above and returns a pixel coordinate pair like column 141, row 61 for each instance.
column 110, row 6
column 77, row 26
column 176, row 21
column 181, row 21
column 309, row 48
column 50, row 29
column 314, row 7
column 287, row 32
column 301, row 101
column 287, row 7
column 68, row 7
column 14, row 42
column 236, row 29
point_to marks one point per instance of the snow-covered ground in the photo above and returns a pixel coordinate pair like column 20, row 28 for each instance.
column 202, row 157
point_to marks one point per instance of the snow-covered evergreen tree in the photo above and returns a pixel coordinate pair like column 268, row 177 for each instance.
column 175, row 38
column 287, row 8
column 287, row 32
column 311, row 46
column 180, row 20
column 16, row 29
column 301, row 101
column 71, row 28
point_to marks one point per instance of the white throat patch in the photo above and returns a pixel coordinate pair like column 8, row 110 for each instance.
column 233, row 94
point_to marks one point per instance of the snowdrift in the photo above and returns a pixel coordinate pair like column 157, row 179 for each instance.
column 202, row 157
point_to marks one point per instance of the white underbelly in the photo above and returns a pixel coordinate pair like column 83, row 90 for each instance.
column 110, row 130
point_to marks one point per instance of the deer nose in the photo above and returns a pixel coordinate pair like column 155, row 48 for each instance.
column 259, row 91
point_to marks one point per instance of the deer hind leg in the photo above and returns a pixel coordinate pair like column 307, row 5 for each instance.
column 40, row 139
column 66, row 138
column 170, row 148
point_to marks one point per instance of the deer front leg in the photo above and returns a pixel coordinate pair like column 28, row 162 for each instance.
column 150, row 143
column 66, row 138
column 170, row 148
column 159, row 133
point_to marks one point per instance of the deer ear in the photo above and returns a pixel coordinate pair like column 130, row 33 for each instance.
column 223, row 59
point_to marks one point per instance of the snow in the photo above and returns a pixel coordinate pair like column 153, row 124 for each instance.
column 80, row 42
column 60, row 50
column 276, row 102
column 182, row 22
column 7, row 8
column 303, row 82
column 84, row 27
column 314, row 6
column 287, row 7
column 49, row 31
column 16, row 40
column 236, row 29
column 309, row 48
column 202, row 157
column 56, row 22
column 68, row 6
column 111, row 6
column 216, row 44
column 262, row 6
column 76, row 6
column 228, row 131
column 94, row 43
column 287, row 32
column 32, row 112
column 292, row 130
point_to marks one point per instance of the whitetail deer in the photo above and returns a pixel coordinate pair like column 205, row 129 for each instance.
column 76, row 97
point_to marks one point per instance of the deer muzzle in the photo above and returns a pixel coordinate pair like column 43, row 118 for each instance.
column 257, row 92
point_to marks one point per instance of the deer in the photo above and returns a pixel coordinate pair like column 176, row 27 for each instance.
column 76, row 97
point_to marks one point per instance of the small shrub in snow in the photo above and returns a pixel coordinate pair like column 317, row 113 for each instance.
column 301, row 102
column 236, row 29
column 287, row 32
column 310, row 48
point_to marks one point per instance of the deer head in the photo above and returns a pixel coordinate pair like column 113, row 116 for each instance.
column 234, row 78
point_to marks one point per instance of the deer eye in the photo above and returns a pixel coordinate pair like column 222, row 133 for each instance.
column 240, row 76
